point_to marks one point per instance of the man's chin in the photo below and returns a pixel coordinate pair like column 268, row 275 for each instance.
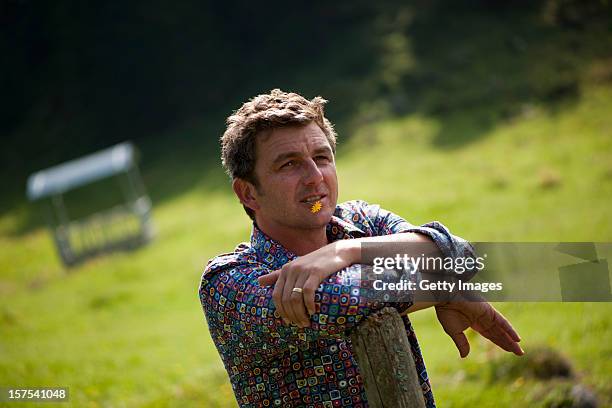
column 317, row 220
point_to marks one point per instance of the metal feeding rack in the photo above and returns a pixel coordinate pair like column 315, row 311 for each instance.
column 122, row 226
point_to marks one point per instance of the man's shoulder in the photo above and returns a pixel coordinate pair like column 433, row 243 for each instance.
column 240, row 258
column 371, row 218
column 237, row 257
column 348, row 209
column 358, row 213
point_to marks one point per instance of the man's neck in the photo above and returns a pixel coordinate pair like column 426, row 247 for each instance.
column 298, row 241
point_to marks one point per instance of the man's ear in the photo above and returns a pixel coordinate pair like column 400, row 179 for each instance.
column 245, row 192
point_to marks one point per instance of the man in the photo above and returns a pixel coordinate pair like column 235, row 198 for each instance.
column 277, row 308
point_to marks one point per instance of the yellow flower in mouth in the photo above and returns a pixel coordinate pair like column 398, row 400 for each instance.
column 316, row 207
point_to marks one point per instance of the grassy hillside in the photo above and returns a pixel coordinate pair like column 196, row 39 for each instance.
column 127, row 329
column 494, row 120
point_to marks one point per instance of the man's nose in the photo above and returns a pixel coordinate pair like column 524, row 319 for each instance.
column 312, row 174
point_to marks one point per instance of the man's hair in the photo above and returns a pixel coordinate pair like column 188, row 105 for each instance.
column 266, row 112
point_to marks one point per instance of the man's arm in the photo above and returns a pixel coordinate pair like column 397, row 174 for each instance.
column 242, row 314
column 308, row 271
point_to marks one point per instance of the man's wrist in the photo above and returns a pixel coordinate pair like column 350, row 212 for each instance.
column 349, row 250
column 422, row 305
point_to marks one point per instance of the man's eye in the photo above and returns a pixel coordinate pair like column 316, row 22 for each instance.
column 322, row 158
column 290, row 163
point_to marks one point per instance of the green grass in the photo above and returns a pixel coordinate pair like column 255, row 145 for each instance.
column 127, row 329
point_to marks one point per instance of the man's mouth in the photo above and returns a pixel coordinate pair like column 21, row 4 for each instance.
column 313, row 198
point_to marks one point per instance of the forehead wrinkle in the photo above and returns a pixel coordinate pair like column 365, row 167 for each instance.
column 307, row 140
column 323, row 148
column 286, row 155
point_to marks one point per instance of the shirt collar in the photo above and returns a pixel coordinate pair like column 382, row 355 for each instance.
column 268, row 250
column 276, row 255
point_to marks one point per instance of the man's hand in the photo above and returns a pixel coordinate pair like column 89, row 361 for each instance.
column 455, row 317
column 307, row 272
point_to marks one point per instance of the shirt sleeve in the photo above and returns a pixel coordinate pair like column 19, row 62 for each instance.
column 242, row 314
column 386, row 223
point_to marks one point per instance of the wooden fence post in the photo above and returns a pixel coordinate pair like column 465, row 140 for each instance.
column 381, row 348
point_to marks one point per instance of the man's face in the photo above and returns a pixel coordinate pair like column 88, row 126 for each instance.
column 295, row 168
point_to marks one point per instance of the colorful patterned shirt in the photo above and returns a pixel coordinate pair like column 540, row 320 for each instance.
column 271, row 364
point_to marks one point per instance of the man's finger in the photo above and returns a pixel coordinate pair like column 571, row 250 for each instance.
column 505, row 324
column 296, row 304
column 310, row 287
column 291, row 299
column 299, row 307
column 462, row 343
column 277, row 297
column 269, row 279
column 500, row 331
column 502, row 339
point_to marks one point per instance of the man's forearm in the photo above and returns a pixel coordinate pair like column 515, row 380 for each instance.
column 352, row 248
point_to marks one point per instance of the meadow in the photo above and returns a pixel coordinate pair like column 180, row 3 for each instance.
column 493, row 119
column 127, row 329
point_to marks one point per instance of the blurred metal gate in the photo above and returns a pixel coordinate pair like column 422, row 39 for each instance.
column 123, row 226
